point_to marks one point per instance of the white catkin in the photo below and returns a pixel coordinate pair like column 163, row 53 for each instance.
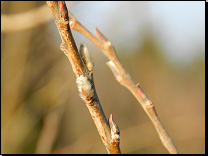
column 84, row 87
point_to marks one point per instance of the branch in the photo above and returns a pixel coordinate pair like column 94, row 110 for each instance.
column 82, row 66
column 17, row 22
column 124, row 79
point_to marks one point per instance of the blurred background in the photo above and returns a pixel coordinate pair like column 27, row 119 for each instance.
column 161, row 45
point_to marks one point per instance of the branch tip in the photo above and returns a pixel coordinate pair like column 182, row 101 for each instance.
column 138, row 85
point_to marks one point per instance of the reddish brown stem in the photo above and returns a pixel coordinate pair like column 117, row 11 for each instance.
column 82, row 66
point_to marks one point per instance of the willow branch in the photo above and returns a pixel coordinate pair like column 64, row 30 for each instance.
column 124, row 79
column 82, row 66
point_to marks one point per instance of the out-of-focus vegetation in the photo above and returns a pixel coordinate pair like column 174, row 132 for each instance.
column 42, row 112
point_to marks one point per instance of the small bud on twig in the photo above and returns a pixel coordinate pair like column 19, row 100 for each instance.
column 100, row 35
column 115, row 132
column 85, row 54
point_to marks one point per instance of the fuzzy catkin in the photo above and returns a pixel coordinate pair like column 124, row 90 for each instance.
column 84, row 87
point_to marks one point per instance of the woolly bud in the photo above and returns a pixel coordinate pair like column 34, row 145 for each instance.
column 84, row 87
column 85, row 54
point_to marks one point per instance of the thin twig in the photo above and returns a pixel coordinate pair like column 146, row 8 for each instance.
column 124, row 79
column 82, row 66
column 32, row 16
column 33, row 19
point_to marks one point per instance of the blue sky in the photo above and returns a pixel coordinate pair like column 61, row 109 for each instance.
column 178, row 25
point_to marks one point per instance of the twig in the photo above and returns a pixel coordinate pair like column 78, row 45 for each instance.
column 82, row 66
column 124, row 79
column 49, row 131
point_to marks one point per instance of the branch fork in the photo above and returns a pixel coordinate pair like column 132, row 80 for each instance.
column 124, row 79
column 82, row 67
